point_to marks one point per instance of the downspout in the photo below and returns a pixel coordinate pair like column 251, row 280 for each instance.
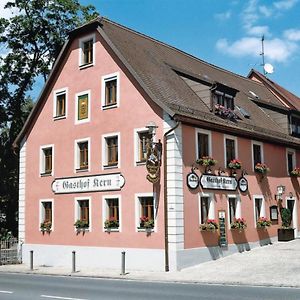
column 165, row 196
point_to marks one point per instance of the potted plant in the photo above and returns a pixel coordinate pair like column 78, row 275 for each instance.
column 225, row 113
column 46, row 226
column 261, row 168
column 263, row 223
column 207, row 162
column 81, row 225
column 209, row 225
column 146, row 223
column 235, row 164
column 239, row 224
column 286, row 232
column 295, row 172
column 110, row 223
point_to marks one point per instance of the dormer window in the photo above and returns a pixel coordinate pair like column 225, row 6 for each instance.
column 223, row 99
column 295, row 126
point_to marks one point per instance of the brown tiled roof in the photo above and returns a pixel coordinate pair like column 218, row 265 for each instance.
column 154, row 65
column 291, row 100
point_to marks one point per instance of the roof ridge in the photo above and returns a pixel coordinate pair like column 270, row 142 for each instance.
column 178, row 50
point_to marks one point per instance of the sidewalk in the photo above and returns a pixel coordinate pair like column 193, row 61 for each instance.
column 273, row 265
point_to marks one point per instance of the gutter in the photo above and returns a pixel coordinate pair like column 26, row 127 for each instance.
column 167, row 268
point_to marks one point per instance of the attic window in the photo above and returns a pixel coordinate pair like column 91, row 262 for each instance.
column 254, row 95
column 244, row 112
column 87, row 51
column 223, row 99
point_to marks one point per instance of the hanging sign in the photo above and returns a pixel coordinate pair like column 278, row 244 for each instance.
column 153, row 161
column 243, row 184
column 84, row 184
column 218, row 182
column 192, row 180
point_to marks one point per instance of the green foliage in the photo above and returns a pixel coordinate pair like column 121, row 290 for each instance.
column 33, row 38
column 286, row 218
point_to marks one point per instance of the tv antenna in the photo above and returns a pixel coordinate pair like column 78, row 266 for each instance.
column 267, row 68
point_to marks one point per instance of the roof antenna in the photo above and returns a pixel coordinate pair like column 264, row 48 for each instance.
column 267, row 68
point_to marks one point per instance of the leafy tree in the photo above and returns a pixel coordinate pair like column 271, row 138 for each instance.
column 33, row 37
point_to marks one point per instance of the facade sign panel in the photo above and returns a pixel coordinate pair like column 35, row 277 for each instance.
column 218, row 182
column 84, row 184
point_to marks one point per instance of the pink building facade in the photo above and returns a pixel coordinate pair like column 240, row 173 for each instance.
column 83, row 157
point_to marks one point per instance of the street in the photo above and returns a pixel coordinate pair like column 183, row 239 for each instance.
column 31, row 287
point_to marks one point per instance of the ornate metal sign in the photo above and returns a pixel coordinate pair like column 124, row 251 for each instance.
column 83, row 184
column 153, row 161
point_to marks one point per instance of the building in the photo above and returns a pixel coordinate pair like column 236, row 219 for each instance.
column 108, row 156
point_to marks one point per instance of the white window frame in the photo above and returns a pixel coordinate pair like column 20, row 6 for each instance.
column 211, row 210
column 230, row 137
column 238, row 206
column 207, row 132
column 42, row 160
column 261, row 152
column 105, row 79
column 80, row 52
column 87, row 92
column 105, row 209
column 136, row 145
column 55, row 94
column 290, row 150
column 77, row 210
column 263, row 207
column 104, row 150
column 77, row 155
column 138, row 210
column 42, row 213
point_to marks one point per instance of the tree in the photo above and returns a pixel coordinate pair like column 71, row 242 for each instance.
column 33, row 37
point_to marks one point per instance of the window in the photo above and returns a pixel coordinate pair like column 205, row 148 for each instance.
column 145, row 211
column 259, row 208
column 60, row 103
column 223, row 99
column 234, row 208
column 111, row 150
column 46, row 160
column 142, row 135
column 82, row 107
column 206, row 208
column 203, row 143
column 82, row 155
column 86, row 51
column 46, row 213
column 230, row 150
column 83, row 210
column 291, row 160
column 110, row 91
column 295, row 126
column 257, row 154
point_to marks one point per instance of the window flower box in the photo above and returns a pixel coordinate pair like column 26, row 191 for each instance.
column 225, row 113
column 209, row 225
column 81, row 225
column 206, row 161
column 46, row 226
column 239, row 224
column 235, row 164
column 111, row 223
column 295, row 172
column 261, row 168
column 146, row 223
column 263, row 223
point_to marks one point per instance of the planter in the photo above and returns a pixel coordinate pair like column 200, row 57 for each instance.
column 285, row 235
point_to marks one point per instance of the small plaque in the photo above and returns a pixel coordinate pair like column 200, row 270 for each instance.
column 243, row 184
column 192, row 180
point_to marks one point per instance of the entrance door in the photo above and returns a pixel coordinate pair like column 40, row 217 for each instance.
column 290, row 204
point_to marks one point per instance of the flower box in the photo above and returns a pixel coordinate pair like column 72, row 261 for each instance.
column 81, row 225
column 295, row 172
column 209, row 225
column 111, row 223
column 261, row 168
column 146, row 223
column 239, row 224
column 225, row 113
column 206, row 161
column 285, row 234
column 46, row 226
column 263, row 223
column 234, row 164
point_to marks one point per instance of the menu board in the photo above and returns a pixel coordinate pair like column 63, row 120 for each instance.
column 222, row 228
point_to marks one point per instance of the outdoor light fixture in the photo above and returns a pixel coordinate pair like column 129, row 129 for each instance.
column 152, row 128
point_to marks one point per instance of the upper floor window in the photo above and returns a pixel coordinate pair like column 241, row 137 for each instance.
column 203, row 143
column 295, row 126
column 230, row 150
column 46, row 160
column 110, row 152
column 60, row 103
column 82, row 154
column 145, row 211
column 82, row 107
column 141, row 137
column 257, row 153
column 110, row 91
column 87, row 50
column 291, row 160
column 223, row 99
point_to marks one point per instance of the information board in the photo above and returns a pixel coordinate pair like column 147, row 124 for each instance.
column 222, row 228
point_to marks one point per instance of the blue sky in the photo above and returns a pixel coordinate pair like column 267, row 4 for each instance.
column 226, row 33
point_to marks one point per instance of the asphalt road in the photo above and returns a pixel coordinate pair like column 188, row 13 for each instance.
column 32, row 287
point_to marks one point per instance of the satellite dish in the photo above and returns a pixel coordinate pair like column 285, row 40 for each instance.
column 269, row 69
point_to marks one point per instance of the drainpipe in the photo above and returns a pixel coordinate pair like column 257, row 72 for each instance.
column 165, row 196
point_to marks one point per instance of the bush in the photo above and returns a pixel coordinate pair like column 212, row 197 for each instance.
column 286, row 218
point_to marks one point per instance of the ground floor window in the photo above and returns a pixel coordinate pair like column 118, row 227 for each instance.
column 46, row 221
column 146, row 211
column 111, row 212
column 206, row 208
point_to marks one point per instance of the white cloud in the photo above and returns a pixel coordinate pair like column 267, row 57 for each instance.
column 265, row 11
column 276, row 49
column 223, row 16
column 285, row 4
column 258, row 30
column 292, row 34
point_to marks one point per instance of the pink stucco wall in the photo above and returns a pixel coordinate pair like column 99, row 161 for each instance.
column 274, row 157
column 134, row 112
